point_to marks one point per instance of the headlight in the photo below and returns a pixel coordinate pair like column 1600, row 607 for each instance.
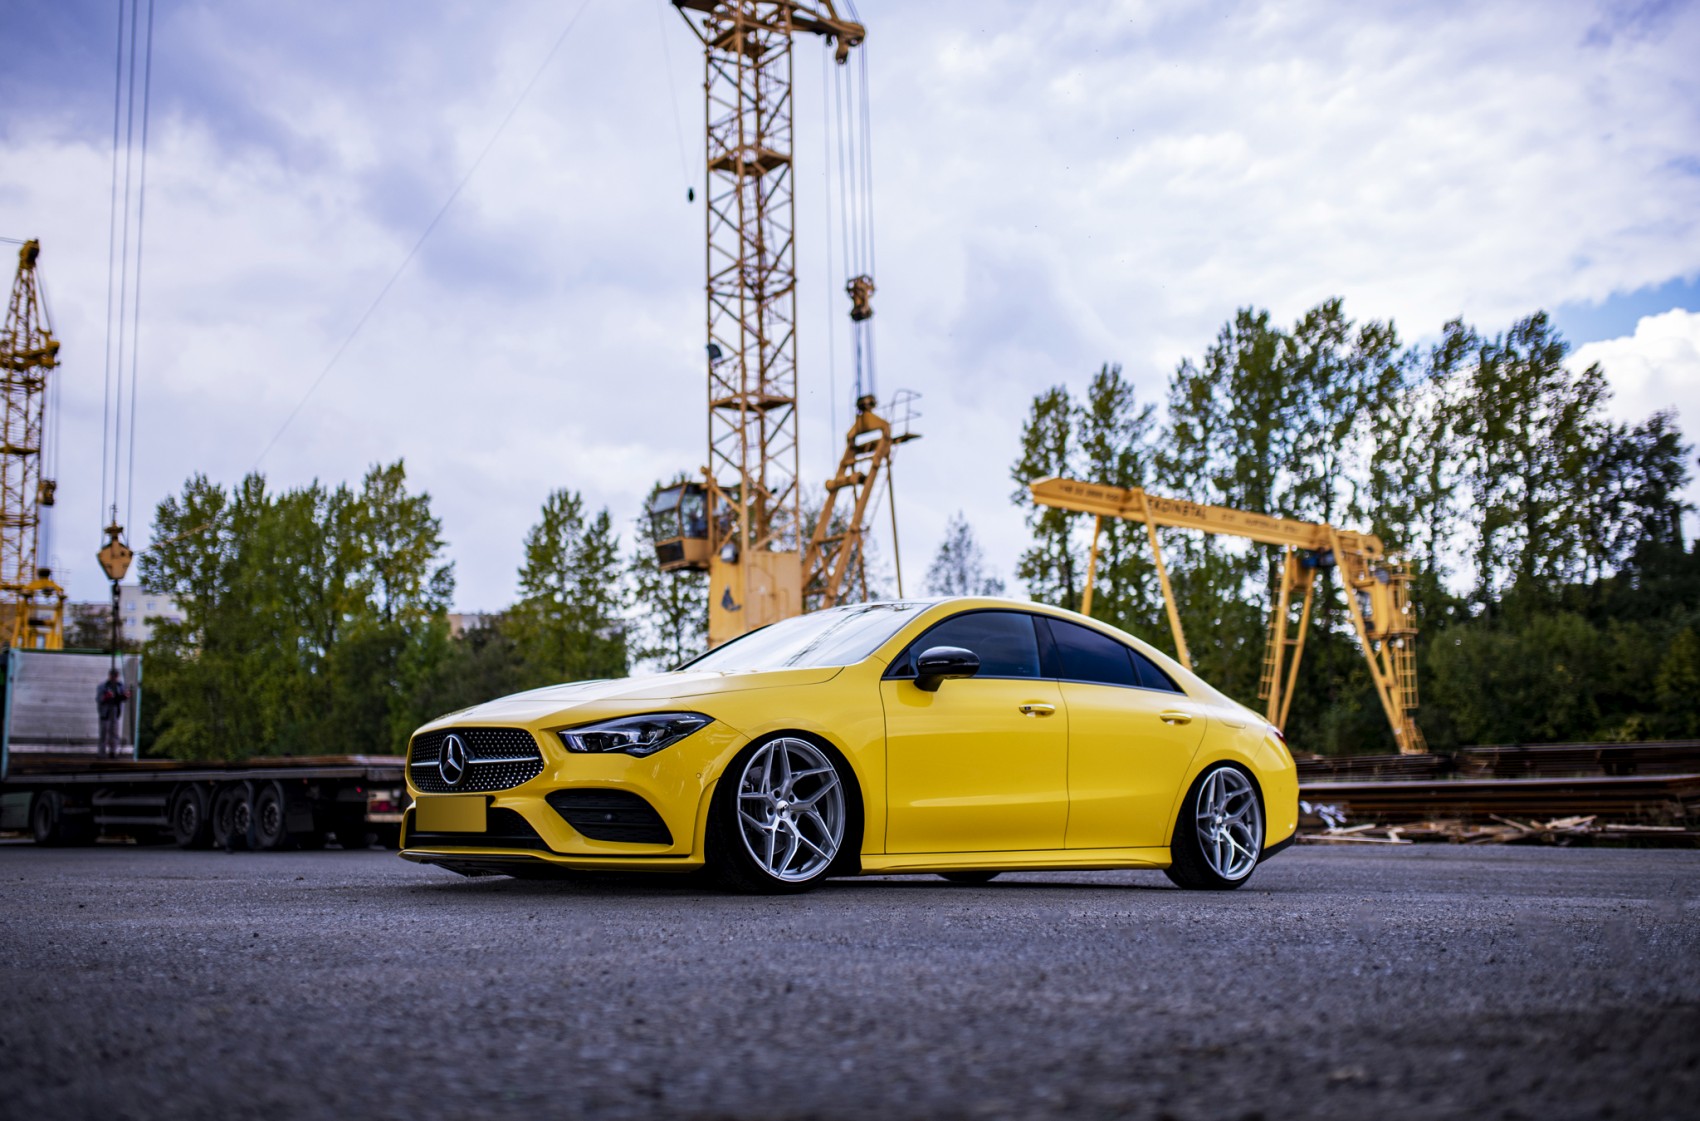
column 634, row 735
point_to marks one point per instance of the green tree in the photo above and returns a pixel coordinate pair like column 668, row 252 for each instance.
column 959, row 567
column 1115, row 445
column 480, row 664
column 569, row 623
column 311, row 617
column 669, row 609
column 1050, row 568
column 1677, row 687
column 1528, row 428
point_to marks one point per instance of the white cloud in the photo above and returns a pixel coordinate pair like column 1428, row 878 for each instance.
column 1055, row 188
column 1658, row 367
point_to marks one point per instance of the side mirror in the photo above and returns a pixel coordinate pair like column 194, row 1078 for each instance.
column 939, row 663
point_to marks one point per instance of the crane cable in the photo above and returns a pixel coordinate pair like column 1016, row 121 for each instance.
column 851, row 124
column 124, row 272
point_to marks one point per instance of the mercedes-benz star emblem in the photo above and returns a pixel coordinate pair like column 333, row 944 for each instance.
column 451, row 760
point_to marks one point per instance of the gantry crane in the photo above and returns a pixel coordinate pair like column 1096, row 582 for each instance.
column 1377, row 585
column 31, row 604
column 744, row 524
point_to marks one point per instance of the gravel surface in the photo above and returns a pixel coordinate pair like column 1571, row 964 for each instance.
column 1364, row 983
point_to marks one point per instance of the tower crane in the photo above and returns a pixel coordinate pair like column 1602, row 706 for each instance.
column 744, row 524
column 32, row 606
column 1377, row 586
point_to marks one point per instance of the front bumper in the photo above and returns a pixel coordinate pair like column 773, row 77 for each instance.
column 609, row 796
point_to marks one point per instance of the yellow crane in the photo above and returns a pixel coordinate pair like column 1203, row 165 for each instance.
column 31, row 604
column 744, row 524
column 1377, row 585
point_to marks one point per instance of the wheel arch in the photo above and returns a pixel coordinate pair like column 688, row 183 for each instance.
column 850, row 852
column 1205, row 758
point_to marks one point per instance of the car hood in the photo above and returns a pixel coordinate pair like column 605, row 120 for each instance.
column 634, row 693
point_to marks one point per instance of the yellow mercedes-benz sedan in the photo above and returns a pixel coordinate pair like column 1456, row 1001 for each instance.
column 962, row 737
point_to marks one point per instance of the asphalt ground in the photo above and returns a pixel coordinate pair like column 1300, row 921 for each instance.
column 1364, row 983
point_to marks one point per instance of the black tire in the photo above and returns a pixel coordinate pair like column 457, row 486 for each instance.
column 969, row 877
column 733, row 865
column 47, row 817
column 268, row 824
column 191, row 824
column 230, row 815
column 1190, row 866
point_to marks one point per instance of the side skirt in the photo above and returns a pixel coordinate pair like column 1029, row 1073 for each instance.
column 1060, row 860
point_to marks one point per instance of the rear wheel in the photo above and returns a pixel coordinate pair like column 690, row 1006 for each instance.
column 969, row 877
column 781, row 816
column 1220, row 832
column 230, row 817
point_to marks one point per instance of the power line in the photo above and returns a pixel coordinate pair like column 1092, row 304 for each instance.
column 411, row 253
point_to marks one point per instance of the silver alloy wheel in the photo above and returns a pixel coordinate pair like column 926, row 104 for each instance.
column 791, row 809
column 1230, row 823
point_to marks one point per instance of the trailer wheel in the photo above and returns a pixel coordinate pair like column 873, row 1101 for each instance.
column 230, row 816
column 47, row 817
column 189, row 825
column 268, row 824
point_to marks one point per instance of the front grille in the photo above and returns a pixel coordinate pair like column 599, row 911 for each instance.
column 503, row 829
column 497, row 759
column 611, row 815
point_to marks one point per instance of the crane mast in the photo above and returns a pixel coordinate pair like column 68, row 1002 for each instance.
column 745, row 526
column 31, row 604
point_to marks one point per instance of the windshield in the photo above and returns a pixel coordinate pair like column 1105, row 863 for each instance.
column 840, row 636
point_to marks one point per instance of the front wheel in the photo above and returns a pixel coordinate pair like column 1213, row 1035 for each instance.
column 780, row 817
column 1220, row 832
column 47, row 818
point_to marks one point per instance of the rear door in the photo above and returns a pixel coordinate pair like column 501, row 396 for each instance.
column 980, row 765
column 1132, row 735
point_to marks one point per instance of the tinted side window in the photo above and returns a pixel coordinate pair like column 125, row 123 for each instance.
column 1150, row 676
column 1085, row 655
column 1003, row 640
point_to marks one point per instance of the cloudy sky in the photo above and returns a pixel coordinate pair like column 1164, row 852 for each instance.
column 1056, row 186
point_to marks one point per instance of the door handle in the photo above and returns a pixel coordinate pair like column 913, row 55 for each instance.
column 1174, row 717
column 1035, row 709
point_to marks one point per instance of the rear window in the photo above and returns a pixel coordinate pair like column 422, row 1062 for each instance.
column 1083, row 654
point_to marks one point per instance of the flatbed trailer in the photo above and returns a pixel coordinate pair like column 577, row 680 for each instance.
column 259, row 804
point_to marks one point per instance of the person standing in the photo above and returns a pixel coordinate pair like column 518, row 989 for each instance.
column 110, row 701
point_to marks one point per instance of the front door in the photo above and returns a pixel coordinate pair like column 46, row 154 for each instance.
column 980, row 765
